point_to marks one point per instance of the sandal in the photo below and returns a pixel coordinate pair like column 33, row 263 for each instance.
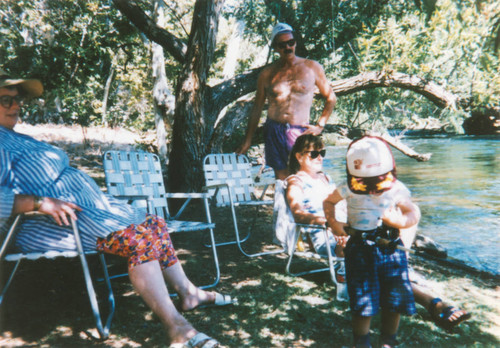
column 208, row 342
column 444, row 319
column 220, row 301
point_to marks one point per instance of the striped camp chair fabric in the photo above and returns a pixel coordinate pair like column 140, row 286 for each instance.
column 137, row 177
column 228, row 179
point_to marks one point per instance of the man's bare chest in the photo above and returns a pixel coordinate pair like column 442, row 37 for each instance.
column 292, row 82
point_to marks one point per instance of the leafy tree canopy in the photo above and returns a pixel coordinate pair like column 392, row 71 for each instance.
column 76, row 47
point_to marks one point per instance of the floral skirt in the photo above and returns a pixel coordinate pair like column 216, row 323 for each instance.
column 141, row 243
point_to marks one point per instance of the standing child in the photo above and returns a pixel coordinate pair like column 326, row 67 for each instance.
column 378, row 205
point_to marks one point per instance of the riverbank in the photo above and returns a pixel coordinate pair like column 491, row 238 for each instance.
column 47, row 305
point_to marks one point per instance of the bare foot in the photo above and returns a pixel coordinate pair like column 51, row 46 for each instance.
column 191, row 301
column 180, row 332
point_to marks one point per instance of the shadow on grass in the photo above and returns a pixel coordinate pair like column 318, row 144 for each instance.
column 47, row 304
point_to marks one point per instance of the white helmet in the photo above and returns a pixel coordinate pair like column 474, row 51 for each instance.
column 369, row 157
column 280, row 28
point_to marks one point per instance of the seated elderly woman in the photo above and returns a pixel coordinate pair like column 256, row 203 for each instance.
column 35, row 176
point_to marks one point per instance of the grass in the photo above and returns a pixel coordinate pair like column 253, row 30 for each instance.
column 47, row 305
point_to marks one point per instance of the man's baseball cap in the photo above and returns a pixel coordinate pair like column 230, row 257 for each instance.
column 31, row 87
column 280, row 28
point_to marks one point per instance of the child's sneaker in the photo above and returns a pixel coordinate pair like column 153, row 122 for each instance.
column 342, row 294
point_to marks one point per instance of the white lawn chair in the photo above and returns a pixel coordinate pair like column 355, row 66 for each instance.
column 6, row 254
column 228, row 179
column 288, row 234
column 137, row 177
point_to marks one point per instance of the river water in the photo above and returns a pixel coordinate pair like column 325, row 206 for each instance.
column 457, row 190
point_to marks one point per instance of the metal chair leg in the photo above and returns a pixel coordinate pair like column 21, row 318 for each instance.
column 7, row 284
column 103, row 330
column 331, row 259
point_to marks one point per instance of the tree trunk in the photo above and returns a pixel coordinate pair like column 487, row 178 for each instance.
column 374, row 79
column 164, row 101
column 194, row 119
column 105, row 97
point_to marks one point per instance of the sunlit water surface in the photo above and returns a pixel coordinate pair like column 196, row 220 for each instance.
column 458, row 192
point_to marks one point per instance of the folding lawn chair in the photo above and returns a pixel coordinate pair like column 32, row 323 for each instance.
column 6, row 254
column 289, row 234
column 228, row 179
column 137, row 178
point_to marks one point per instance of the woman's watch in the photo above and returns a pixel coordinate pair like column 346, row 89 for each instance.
column 37, row 202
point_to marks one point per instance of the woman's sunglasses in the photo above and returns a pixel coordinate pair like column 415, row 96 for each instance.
column 285, row 44
column 316, row 153
column 6, row 101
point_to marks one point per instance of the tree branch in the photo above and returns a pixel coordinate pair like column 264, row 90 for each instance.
column 432, row 91
column 146, row 25
column 406, row 150
column 234, row 88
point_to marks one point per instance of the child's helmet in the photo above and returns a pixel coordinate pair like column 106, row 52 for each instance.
column 370, row 165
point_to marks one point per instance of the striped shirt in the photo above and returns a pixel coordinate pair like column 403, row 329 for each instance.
column 31, row 167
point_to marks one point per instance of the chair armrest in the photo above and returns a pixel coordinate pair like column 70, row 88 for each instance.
column 133, row 197
column 216, row 186
column 188, row 196
column 321, row 227
column 195, row 195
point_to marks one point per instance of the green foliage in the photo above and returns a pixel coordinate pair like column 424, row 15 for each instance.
column 73, row 46
column 449, row 47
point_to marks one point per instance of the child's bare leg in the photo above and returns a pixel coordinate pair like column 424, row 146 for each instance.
column 361, row 331
column 390, row 324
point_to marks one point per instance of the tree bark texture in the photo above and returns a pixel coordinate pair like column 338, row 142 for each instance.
column 194, row 119
column 164, row 101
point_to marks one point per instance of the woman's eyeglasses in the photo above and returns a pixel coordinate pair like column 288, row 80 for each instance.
column 6, row 101
column 285, row 44
column 316, row 153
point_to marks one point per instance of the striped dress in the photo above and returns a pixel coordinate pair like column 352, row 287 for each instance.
column 31, row 167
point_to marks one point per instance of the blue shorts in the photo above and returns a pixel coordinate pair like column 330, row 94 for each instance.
column 377, row 277
column 279, row 139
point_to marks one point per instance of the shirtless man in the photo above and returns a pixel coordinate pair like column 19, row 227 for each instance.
column 289, row 85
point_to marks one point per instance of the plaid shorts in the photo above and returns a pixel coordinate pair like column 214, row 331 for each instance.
column 377, row 277
column 141, row 243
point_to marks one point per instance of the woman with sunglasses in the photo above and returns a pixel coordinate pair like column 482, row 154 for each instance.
column 307, row 187
column 35, row 176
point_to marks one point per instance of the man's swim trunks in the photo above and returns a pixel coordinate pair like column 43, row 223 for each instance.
column 279, row 139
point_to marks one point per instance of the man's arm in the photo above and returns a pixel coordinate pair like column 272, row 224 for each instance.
column 330, row 98
column 253, row 120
